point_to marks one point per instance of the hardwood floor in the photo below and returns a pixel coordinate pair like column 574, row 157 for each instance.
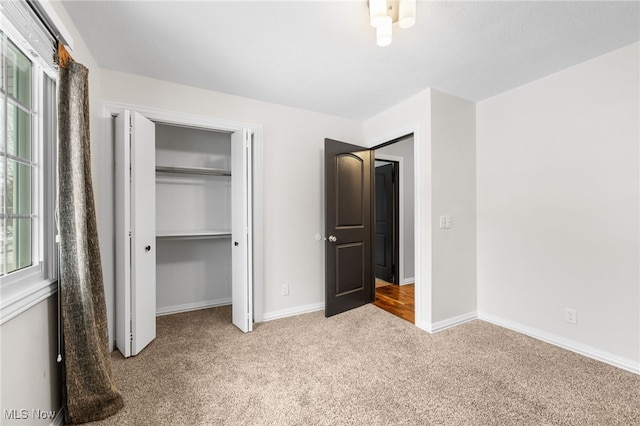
column 398, row 300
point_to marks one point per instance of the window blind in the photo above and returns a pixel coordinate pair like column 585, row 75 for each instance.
column 23, row 16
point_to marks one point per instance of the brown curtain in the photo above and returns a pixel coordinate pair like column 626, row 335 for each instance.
column 89, row 391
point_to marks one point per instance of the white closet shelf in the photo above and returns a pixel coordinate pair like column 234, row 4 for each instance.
column 215, row 233
column 193, row 170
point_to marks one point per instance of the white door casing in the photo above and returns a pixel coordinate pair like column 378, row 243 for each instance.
column 122, row 192
column 251, row 147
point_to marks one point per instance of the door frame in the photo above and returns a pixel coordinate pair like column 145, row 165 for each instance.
column 400, row 218
column 105, row 172
column 422, row 227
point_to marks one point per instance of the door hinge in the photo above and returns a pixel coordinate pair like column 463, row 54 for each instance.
column 130, row 233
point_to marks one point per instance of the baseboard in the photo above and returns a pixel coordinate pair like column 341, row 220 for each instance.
column 406, row 281
column 453, row 321
column 283, row 313
column 424, row 326
column 586, row 350
column 187, row 307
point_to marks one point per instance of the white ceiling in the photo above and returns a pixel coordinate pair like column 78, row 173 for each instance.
column 322, row 55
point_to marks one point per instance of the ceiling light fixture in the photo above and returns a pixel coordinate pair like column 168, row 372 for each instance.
column 383, row 13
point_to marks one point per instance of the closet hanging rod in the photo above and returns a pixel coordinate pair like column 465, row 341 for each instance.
column 193, row 170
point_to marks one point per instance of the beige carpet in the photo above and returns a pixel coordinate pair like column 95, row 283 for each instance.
column 364, row 367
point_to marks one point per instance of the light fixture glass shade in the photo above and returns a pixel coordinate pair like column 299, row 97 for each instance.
column 383, row 32
column 377, row 11
column 407, row 13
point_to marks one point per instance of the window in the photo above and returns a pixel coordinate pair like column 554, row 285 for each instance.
column 18, row 211
column 27, row 175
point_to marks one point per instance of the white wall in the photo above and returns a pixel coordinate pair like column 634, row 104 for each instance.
column 453, row 130
column 404, row 150
column 31, row 377
column 558, row 206
column 293, row 144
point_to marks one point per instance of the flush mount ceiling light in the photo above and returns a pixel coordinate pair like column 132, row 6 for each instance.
column 383, row 13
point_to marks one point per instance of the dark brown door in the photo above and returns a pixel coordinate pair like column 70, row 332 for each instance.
column 385, row 219
column 349, row 279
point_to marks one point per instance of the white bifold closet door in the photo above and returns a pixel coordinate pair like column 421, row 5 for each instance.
column 241, row 261
column 136, row 234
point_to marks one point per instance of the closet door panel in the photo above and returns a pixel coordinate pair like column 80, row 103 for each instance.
column 242, row 307
column 143, row 239
column 135, row 232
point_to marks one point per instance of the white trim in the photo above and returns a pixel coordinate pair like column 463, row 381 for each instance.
column 410, row 280
column 453, row 321
column 183, row 119
column 573, row 346
column 400, row 161
column 284, row 313
column 28, row 297
column 194, row 306
column 258, row 225
column 423, row 325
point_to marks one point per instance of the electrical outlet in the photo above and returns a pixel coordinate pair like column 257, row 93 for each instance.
column 570, row 315
column 285, row 289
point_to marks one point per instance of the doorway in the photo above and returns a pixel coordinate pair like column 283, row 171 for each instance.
column 386, row 224
column 394, row 227
column 350, row 218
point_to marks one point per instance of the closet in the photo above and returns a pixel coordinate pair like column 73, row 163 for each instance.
column 193, row 218
column 183, row 222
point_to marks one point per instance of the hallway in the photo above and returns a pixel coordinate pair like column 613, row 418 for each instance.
column 396, row 299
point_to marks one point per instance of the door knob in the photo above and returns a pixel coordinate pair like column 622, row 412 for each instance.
column 332, row 239
column 147, row 248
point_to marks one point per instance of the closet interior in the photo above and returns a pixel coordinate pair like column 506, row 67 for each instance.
column 193, row 218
